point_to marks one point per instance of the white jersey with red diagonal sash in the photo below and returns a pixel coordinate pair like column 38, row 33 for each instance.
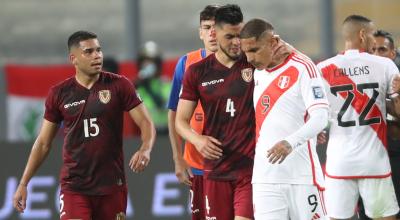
column 357, row 84
column 282, row 97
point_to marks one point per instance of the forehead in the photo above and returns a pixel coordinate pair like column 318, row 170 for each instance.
column 381, row 41
column 230, row 29
column 249, row 43
column 207, row 22
column 89, row 43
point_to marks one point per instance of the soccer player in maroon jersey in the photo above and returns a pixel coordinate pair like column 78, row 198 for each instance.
column 90, row 105
column 189, row 163
column 223, row 83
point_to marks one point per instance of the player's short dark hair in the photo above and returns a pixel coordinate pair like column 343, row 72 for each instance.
column 255, row 28
column 77, row 37
column 357, row 18
column 208, row 13
column 228, row 14
column 386, row 35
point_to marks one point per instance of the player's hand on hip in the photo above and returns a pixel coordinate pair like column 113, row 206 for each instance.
column 279, row 152
column 183, row 171
column 19, row 200
column 209, row 147
column 140, row 160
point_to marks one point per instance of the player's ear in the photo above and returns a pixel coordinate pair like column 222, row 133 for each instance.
column 72, row 58
column 392, row 54
column 200, row 33
column 361, row 35
column 275, row 39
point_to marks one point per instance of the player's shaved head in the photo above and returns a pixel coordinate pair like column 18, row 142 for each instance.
column 352, row 26
column 256, row 28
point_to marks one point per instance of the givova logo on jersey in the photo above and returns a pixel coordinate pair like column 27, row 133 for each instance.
column 283, row 82
column 105, row 96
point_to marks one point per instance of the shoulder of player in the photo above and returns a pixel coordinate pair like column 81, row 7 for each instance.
column 329, row 61
column 67, row 83
column 183, row 59
column 112, row 77
column 379, row 59
column 198, row 66
column 304, row 64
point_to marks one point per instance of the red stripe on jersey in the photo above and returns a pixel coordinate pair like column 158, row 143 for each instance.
column 360, row 100
column 312, row 72
column 359, row 177
column 322, row 200
column 313, row 168
column 323, row 104
column 307, row 67
column 271, row 95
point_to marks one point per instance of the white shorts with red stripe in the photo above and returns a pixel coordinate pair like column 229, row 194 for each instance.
column 377, row 195
column 288, row 201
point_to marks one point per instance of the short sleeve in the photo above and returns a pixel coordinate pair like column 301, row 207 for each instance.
column 52, row 112
column 190, row 82
column 129, row 97
column 312, row 88
column 391, row 72
column 177, row 83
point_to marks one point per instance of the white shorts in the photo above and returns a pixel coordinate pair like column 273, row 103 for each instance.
column 377, row 194
column 287, row 201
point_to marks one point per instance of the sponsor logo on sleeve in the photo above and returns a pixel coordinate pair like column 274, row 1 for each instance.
column 318, row 92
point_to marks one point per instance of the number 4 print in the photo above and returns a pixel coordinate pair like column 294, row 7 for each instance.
column 207, row 206
column 230, row 108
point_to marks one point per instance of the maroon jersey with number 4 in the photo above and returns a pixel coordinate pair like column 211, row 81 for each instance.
column 226, row 95
column 92, row 122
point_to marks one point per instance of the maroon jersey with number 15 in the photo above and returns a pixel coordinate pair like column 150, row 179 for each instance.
column 226, row 95
column 92, row 122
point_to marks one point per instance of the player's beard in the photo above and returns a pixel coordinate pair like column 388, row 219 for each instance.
column 232, row 57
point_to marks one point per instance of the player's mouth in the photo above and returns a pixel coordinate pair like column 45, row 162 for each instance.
column 235, row 50
column 97, row 65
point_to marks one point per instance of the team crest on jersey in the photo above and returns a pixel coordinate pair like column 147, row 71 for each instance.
column 283, row 82
column 247, row 74
column 105, row 96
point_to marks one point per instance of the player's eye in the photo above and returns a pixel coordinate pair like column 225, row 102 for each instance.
column 382, row 49
column 88, row 51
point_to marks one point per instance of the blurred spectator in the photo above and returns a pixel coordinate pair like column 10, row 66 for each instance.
column 151, row 86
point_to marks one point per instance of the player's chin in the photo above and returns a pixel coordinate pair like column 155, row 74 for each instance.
column 235, row 56
column 259, row 66
column 96, row 69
